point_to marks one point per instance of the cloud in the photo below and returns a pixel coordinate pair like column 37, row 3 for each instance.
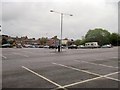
column 35, row 20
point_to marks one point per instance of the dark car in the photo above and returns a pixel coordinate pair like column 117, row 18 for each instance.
column 72, row 47
column 52, row 47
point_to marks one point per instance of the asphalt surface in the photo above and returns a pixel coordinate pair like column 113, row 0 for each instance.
column 48, row 69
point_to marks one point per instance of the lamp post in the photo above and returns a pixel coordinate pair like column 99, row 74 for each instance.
column 61, row 26
column 0, row 30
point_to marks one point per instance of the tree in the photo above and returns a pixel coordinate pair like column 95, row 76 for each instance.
column 11, row 41
column 118, row 39
column 77, row 42
column 55, row 38
column 4, row 41
column 43, row 41
column 98, row 35
column 115, row 39
column 82, row 41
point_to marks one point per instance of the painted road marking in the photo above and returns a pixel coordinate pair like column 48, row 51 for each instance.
column 4, row 57
column 59, row 86
column 85, row 71
column 98, row 59
column 88, row 80
column 20, row 54
column 27, row 52
column 115, row 57
column 76, row 69
column 42, row 77
column 96, row 64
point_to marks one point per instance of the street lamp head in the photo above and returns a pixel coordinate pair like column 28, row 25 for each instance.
column 51, row 11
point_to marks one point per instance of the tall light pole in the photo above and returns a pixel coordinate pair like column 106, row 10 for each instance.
column 0, row 30
column 61, row 24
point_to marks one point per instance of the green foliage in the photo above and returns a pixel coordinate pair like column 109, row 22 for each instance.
column 11, row 41
column 115, row 39
column 98, row 35
column 4, row 41
column 77, row 42
column 82, row 41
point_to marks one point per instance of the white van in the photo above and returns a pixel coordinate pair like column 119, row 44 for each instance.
column 92, row 44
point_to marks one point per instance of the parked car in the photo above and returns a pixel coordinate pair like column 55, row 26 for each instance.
column 41, row 46
column 52, row 47
column 63, row 47
column 35, row 46
column 29, row 46
column 72, row 47
column 81, row 46
column 107, row 46
column 6, row 46
column 46, row 46
column 18, row 46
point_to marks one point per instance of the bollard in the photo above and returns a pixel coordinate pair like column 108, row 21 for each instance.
column 59, row 48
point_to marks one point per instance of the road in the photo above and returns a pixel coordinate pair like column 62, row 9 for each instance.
column 48, row 69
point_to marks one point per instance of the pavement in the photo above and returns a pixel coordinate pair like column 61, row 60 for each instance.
column 48, row 69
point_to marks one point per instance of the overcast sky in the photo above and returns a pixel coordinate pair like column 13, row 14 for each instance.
column 34, row 19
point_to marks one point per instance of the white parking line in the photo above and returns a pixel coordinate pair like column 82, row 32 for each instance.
column 86, row 71
column 96, row 64
column 76, row 69
column 4, row 57
column 25, row 55
column 115, row 57
column 98, row 59
column 42, row 77
column 27, row 52
column 88, row 80
column 20, row 54
column 59, row 86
